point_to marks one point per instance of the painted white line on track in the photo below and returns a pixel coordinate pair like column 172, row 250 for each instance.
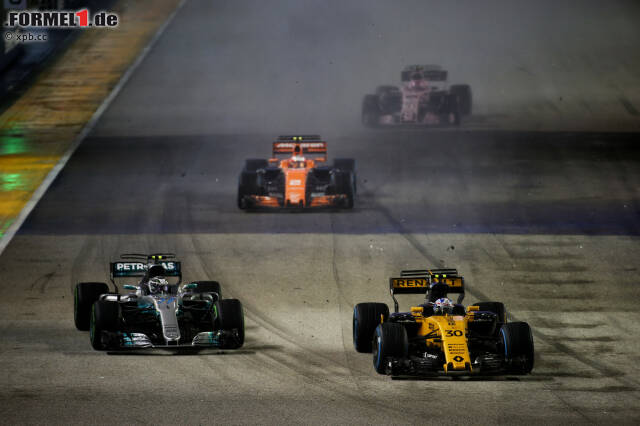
column 42, row 189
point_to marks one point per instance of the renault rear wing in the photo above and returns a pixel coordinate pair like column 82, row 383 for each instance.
column 422, row 281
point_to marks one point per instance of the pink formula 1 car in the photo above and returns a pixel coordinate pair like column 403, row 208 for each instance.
column 424, row 98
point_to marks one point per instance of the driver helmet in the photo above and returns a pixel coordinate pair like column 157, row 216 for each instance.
column 297, row 161
column 437, row 291
column 417, row 81
column 443, row 306
column 157, row 285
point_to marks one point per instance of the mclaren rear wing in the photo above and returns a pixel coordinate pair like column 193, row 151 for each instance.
column 420, row 281
column 309, row 144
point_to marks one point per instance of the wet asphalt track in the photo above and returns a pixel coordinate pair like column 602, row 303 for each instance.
column 547, row 222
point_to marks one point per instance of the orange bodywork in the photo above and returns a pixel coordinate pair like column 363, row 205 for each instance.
column 295, row 172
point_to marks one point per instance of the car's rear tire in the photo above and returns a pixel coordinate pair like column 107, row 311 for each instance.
column 232, row 318
column 345, row 164
column 516, row 342
column 208, row 287
column 366, row 317
column 386, row 88
column 84, row 295
column 105, row 317
column 350, row 190
column 390, row 341
column 211, row 288
column 344, row 183
column 255, row 164
column 495, row 307
column 370, row 111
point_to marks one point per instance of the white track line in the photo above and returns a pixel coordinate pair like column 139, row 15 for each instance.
column 42, row 189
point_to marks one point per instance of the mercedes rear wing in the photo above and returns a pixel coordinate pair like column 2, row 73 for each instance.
column 421, row 281
column 137, row 265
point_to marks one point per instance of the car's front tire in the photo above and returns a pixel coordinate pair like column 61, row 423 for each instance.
column 463, row 94
column 105, row 317
column 344, row 183
column 232, row 318
column 390, row 341
column 350, row 190
column 247, row 186
column 516, row 342
column 347, row 164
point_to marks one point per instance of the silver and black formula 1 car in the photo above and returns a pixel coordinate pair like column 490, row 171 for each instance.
column 157, row 311
column 439, row 336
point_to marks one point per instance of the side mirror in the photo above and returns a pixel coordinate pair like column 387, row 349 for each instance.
column 130, row 287
column 190, row 286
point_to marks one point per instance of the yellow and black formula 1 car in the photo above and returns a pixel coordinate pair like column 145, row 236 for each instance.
column 440, row 336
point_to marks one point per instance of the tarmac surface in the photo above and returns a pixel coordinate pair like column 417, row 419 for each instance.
column 537, row 209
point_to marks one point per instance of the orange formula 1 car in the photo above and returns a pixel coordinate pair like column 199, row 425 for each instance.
column 302, row 179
